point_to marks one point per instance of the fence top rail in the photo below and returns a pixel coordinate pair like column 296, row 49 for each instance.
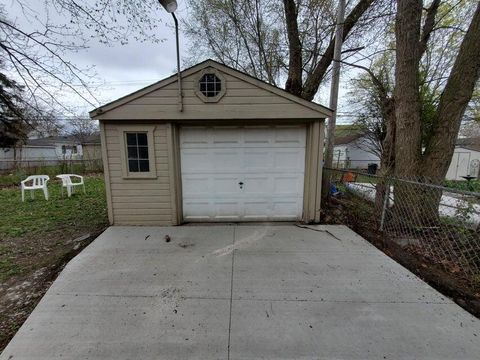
column 425, row 184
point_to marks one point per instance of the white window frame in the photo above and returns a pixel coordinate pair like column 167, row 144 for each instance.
column 223, row 90
column 149, row 129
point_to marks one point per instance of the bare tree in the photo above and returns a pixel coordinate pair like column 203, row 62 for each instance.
column 36, row 51
column 82, row 127
column 289, row 41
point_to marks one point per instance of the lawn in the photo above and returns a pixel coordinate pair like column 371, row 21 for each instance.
column 37, row 238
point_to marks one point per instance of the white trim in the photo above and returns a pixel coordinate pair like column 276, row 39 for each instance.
column 149, row 129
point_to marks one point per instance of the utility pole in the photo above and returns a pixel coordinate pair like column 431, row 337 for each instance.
column 337, row 55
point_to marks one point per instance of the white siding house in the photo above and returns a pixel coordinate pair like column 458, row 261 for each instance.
column 352, row 152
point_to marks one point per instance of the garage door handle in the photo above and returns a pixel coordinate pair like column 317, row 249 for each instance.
column 241, row 185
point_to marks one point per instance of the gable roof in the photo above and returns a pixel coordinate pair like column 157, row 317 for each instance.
column 322, row 110
column 472, row 143
column 51, row 140
column 342, row 140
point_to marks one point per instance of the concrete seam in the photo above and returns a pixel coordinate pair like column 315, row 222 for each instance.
column 231, row 297
column 347, row 301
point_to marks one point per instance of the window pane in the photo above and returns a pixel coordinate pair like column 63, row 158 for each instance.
column 142, row 139
column 144, row 165
column 143, row 152
column 133, row 165
column 210, row 85
column 132, row 152
column 131, row 139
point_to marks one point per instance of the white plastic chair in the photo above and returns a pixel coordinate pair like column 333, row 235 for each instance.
column 69, row 184
column 38, row 182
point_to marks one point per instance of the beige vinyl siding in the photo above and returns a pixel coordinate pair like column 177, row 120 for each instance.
column 242, row 100
column 139, row 201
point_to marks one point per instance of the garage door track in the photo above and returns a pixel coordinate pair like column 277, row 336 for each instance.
column 241, row 292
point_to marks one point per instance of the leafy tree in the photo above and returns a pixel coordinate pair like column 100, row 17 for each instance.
column 431, row 161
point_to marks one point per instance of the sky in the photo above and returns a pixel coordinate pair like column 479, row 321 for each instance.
column 122, row 69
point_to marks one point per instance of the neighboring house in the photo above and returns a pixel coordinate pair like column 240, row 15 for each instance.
column 234, row 149
column 465, row 159
column 50, row 150
column 91, row 147
column 66, row 147
column 352, row 152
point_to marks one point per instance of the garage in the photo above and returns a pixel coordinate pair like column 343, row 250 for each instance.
column 212, row 144
column 248, row 173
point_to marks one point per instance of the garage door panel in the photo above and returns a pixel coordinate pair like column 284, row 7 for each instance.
column 268, row 160
column 223, row 160
column 290, row 135
column 194, row 136
column 193, row 160
column 196, row 185
column 225, row 135
column 226, row 185
column 257, row 185
column 285, row 209
column 226, row 209
column 257, row 135
column 287, row 185
column 293, row 160
column 257, row 159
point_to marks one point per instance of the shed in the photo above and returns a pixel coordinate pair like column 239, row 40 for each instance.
column 233, row 149
column 465, row 159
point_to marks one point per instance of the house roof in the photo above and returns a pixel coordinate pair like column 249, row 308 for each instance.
column 342, row 140
column 92, row 139
column 324, row 111
column 50, row 140
column 66, row 139
column 472, row 143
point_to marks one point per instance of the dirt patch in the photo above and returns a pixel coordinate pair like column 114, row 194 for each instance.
column 20, row 294
column 452, row 285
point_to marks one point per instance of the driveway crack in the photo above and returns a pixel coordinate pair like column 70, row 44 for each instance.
column 231, row 294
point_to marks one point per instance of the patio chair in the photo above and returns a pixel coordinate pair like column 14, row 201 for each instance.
column 69, row 184
column 37, row 182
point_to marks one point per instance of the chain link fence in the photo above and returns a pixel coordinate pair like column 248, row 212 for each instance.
column 438, row 223
column 41, row 165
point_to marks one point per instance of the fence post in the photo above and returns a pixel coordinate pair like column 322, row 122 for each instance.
column 385, row 205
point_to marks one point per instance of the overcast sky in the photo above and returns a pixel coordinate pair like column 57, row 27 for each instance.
column 122, row 69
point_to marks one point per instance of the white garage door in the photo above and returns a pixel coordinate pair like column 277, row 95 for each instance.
column 248, row 173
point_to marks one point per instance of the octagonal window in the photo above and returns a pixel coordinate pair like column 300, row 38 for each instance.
column 210, row 85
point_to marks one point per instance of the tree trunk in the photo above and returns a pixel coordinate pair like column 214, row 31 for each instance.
column 408, row 140
column 408, row 204
column 387, row 158
column 295, row 64
column 453, row 102
column 417, row 205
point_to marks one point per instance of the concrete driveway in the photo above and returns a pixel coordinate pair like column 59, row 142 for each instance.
column 241, row 292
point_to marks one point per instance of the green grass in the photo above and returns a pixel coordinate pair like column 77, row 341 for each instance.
column 13, row 177
column 474, row 185
column 36, row 233
column 39, row 216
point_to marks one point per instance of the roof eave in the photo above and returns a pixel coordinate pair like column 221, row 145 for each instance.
column 323, row 110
